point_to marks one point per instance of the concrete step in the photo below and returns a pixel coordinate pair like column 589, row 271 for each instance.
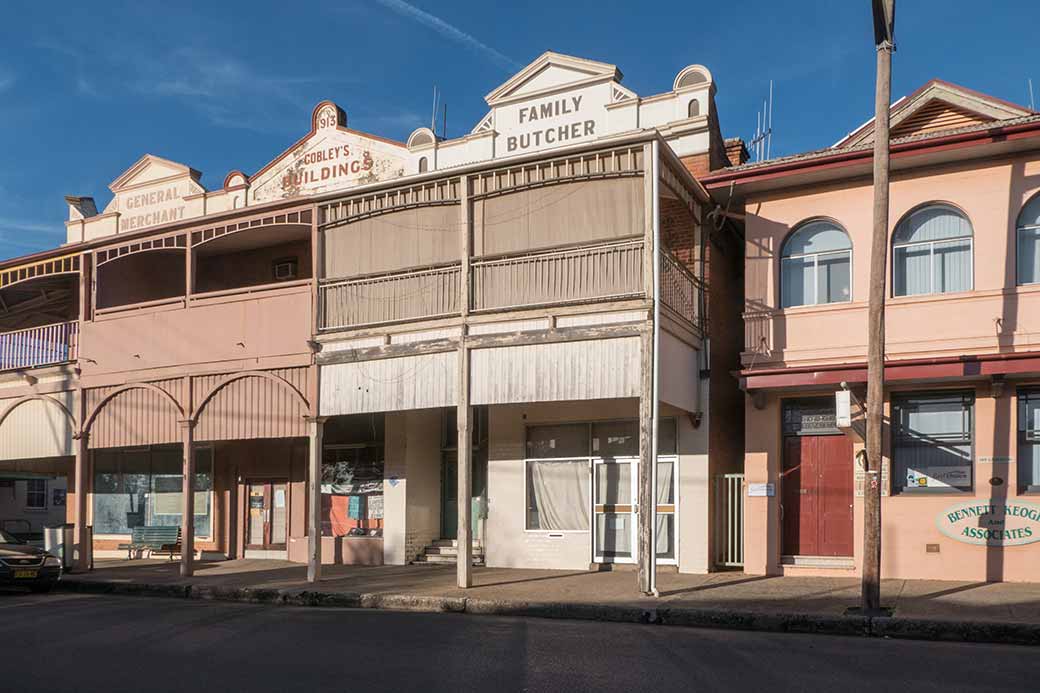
column 454, row 542
column 437, row 559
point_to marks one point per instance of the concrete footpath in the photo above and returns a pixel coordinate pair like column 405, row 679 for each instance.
column 923, row 609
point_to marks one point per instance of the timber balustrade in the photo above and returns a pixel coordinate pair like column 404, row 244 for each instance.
column 599, row 272
column 390, row 297
column 39, row 346
column 680, row 289
column 587, row 273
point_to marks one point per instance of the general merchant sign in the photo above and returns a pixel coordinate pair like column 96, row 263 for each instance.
column 1010, row 523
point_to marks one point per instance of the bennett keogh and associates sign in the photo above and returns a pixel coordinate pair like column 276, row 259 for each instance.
column 1011, row 523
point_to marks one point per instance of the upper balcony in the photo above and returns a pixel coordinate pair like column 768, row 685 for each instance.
column 39, row 314
column 553, row 233
column 234, row 292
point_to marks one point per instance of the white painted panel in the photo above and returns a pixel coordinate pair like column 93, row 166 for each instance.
column 595, row 369
column 600, row 318
column 677, row 382
column 425, row 335
column 36, row 429
column 409, row 382
column 347, row 344
column 509, row 326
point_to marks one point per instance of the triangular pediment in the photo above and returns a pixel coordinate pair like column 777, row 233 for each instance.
column 551, row 72
column 330, row 157
column 936, row 107
column 153, row 169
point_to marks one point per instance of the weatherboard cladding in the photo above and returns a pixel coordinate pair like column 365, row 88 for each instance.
column 252, row 407
column 248, row 407
column 136, row 416
column 36, row 428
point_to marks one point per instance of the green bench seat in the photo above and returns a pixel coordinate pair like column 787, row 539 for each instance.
column 154, row 540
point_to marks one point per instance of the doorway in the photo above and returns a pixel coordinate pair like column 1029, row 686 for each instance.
column 267, row 518
column 816, row 487
column 450, row 470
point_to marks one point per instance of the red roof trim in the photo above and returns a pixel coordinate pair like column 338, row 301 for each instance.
column 902, row 150
column 903, row 370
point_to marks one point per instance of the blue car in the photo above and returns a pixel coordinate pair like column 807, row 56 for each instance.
column 28, row 566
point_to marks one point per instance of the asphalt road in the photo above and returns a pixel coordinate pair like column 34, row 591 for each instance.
column 91, row 643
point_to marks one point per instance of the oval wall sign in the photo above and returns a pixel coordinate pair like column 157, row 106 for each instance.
column 1011, row 523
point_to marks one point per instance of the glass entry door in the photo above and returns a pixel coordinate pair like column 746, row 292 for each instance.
column 267, row 513
column 616, row 509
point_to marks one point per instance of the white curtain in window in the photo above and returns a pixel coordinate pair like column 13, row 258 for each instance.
column 815, row 265
column 1029, row 255
column 951, row 266
column 932, row 250
column 1029, row 440
column 665, row 482
column 797, row 278
column 561, row 494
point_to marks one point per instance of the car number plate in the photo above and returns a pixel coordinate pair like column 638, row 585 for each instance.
column 18, row 574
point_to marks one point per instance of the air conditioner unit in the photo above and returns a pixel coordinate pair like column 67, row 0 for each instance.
column 285, row 269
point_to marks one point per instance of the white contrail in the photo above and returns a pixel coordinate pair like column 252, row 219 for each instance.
column 448, row 31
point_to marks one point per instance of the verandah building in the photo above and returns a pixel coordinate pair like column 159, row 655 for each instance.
column 308, row 345
column 961, row 466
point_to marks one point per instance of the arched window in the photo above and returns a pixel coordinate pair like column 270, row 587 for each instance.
column 816, row 265
column 424, row 164
column 932, row 252
column 694, row 109
column 1027, row 230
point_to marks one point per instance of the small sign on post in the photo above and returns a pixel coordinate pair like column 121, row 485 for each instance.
column 843, row 409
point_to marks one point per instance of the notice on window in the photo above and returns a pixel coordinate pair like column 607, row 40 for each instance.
column 279, row 498
column 939, row 477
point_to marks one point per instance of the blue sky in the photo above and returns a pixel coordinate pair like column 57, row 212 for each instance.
column 87, row 88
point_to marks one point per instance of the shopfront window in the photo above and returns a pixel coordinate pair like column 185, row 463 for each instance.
column 142, row 487
column 352, row 490
column 352, row 476
column 1029, row 441
column 557, row 470
column 574, row 466
column 932, row 447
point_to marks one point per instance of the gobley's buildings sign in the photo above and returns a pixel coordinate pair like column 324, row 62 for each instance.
column 328, row 158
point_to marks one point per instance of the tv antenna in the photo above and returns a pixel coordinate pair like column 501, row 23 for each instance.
column 433, row 116
column 761, row 143
column 1032, row 106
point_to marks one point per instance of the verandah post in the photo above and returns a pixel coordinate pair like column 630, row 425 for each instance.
column 316, row 433
column 188, row 498
column 464, row 466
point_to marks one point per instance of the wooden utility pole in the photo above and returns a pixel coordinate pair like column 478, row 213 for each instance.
column 884, row 29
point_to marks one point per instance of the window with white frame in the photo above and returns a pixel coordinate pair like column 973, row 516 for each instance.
column 36, row 494
column 1027, row 232
column 1029, row 440
column 816, row 265
column 932, row 441
column 572, row 466
column 932, row 252
column 558, row 482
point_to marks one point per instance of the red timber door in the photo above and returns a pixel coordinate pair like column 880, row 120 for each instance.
column 816, row 488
